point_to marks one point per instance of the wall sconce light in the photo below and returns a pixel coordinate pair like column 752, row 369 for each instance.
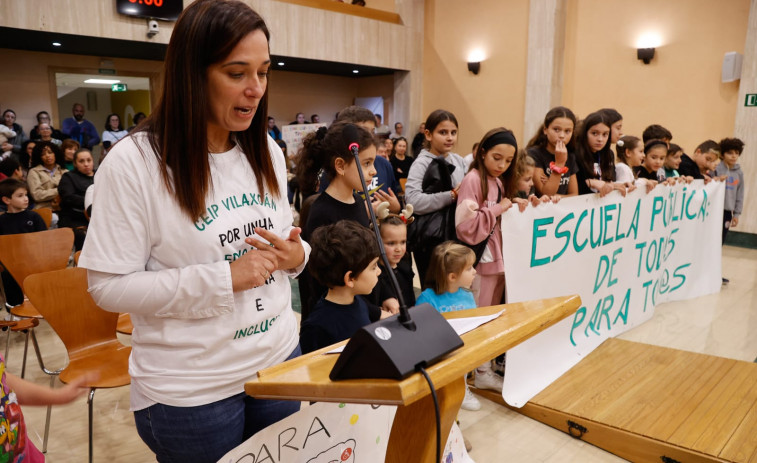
column 645, row 54
column 474, row 67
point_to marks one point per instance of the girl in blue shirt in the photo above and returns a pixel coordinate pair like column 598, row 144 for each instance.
column 449, row 278
column 448, row 281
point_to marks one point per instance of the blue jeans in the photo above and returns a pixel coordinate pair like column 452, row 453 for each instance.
column 207, row 432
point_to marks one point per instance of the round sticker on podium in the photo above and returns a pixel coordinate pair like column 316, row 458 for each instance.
column 383, row 333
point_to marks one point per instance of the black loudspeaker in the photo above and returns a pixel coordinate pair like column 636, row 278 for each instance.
column 388, row 349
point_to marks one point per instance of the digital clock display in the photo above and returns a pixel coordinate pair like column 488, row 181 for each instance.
column 168, row 10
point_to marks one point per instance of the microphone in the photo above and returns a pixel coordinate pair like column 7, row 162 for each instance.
column 351, row 136
column 396, row 346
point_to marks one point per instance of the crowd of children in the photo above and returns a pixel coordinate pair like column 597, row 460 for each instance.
column 455, row 236
column 459, row 256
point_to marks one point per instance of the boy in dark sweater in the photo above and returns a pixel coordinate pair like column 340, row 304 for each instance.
column 344, row 258
column 18, row 219
column 702, row 161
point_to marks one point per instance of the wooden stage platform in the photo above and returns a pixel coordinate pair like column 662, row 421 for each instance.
column 653, row 404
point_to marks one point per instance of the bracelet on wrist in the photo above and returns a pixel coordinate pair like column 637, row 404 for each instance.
column 560, row 170
column 453, row 194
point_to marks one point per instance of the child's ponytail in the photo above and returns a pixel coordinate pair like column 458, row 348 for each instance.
column 310, row 161
column 321, row 148
column 626, row 144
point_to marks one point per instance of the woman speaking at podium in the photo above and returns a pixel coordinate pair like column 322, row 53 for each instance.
column 192, row 234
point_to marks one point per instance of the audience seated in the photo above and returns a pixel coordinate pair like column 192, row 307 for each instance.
column 44, row 116
column 13, row 144
column 72, row 189
column 46, row 134
column 80, row 129
column 45, row 174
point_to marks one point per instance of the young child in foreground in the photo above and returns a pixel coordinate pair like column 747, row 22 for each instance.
column 14, row 392
column 393, row 230
column 344, row 258
column 448, row 282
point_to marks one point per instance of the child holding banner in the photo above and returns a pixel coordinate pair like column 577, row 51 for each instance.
column 552, row 151
column 524, row 175
column 672, row 161
column 483, row 197
column 630, row 154
column 596, row 161
column 651, row 169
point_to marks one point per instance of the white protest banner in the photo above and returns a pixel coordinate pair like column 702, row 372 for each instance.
column 623, row 256
column 294, row 134
column 333, row 433
column 321, row 433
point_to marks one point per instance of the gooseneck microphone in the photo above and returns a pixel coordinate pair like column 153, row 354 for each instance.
column 398, row 345
column 351, row 136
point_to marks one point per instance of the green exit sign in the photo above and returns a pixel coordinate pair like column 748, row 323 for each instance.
column 117, row 87
column 751, row 99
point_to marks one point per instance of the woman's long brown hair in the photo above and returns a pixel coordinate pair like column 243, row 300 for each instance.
column 206, row 33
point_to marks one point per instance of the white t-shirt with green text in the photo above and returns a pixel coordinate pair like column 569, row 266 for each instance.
column 194, row 341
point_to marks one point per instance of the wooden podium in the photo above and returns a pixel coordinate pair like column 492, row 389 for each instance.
column 413, row 435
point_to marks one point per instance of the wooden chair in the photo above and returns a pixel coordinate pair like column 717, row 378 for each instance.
column 47, row 215
column 124, row 324
column 87, row 331
column 29, row 253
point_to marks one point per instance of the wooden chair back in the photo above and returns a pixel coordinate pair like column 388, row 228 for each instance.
column 47, row 215
column 403, row 182
column 29, row 253
column 61, row 297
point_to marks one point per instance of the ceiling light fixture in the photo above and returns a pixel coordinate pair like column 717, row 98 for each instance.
column 102, row 81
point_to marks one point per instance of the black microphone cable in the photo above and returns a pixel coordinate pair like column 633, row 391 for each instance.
column 436, row 410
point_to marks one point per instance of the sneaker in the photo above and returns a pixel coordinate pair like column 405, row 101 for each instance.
column 470, row 402
column 488, row 379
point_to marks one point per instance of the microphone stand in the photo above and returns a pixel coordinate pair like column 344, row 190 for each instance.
column 404, row 315
column 396, row 346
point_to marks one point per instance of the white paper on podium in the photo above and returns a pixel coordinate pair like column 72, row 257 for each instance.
column 460, row 325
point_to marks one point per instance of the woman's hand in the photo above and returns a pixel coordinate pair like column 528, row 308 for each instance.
column 289, row 252
column 522, row 203
column 380, row 196
column 561, row 154
column 253, row 269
